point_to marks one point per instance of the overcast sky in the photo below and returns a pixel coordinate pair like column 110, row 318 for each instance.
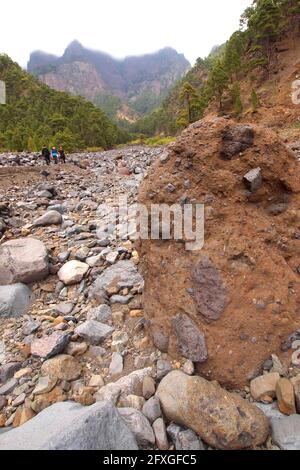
column 119, row 27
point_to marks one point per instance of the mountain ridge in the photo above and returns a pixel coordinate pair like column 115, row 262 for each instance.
column 140, row 82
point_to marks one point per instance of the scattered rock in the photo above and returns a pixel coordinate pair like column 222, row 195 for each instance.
column 221, row 419
column 44, row 385
column 188, row 368
column 253, row 180
column 94, row 332
column 264, row 386
column 148, row 387
column 62, row 367
column 190, row 341
column 8, row 387
column 31, row 327
column 139, row 426
column 152, row 410
column 160, row 433
column 128, row 385
column 14, row 300
column 76, row 349
column 101, row 314
column 7, row 371
column 70, row 426
column 72, row 272
column 132, row 401
column 285, row 396
column 119, row 341
column 116, row 365
column 51, row 217
column 49, row 346
column 188, row 440
column 96, row 381
column 163, row 367
column 123, row 274
column 24, row 260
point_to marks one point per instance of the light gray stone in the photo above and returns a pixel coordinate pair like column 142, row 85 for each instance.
column 253, row 179
column 94, row 332
column 285, row 429
column 124, row 273
column 188, row 440
column 8, row 387
column 31, row 327
column 129, row 385
column 151, row 409
column 160, row 433
column 14, row 300
column 101, row 314
column 139, row 426
column 116, row 365
column 72, row 272
column 51, row 217
column 70, row 426
column 23, row 260
column 7, row 370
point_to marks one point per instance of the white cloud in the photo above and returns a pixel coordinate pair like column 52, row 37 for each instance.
column 119, row 27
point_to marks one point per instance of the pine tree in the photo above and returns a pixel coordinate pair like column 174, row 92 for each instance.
column 263, row 22
column 190, row 99
column 233, row 53
column 218, row 82
column 236, row 98
column 254, row 100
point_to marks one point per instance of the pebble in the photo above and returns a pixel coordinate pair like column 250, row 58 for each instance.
column 148, row 387
column 116, row 365
column 160, row 433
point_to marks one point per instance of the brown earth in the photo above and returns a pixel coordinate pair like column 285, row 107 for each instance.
column 242, row 288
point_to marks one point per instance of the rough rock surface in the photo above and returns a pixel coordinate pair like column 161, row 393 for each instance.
column 49, row 218
column 221, row 419
column 14, row 300
column 70, row 426
column 23, row 260
column 242, row 288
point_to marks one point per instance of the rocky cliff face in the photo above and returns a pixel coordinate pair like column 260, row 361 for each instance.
column 140, row 82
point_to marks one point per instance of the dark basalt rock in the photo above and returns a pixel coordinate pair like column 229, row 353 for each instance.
column 210, row 293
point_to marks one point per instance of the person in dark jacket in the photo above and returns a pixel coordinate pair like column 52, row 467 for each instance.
column 46, row 155
column 62, row 155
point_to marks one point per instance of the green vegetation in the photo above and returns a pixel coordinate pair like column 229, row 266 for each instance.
column 254, row 100
column 217, row 77
column 156, row 141
column 35, row 115
column 110, row 104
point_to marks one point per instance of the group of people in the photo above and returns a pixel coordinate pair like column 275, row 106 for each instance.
column 54, row 154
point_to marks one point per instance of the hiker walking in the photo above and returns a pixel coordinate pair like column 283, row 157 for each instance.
column 54, row 154
column 46, row 155
column 62, row 155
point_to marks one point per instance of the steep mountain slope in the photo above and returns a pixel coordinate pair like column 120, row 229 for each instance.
column 250, row 77
column 140, row 82
column 35, row 115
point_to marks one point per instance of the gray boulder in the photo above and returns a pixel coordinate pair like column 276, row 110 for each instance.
column 70, row 426
column 123, row 273
column 285, row 429
column 14, row 300
column 23, row 260
column 139, row 425
column 52, row 217
column 94, row 332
